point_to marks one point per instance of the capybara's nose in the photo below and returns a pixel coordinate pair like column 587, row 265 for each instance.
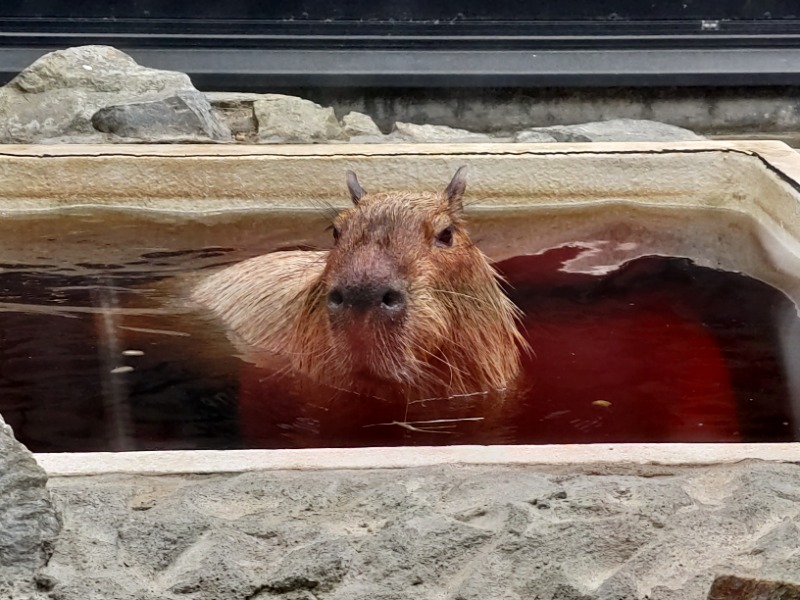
column 387, row 300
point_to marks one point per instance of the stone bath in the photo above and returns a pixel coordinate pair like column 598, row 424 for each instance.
column 509, row 522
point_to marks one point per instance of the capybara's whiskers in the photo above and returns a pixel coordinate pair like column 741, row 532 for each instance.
column 325, row 208
column 438, row 425
column 453, row 396
column 470, row 297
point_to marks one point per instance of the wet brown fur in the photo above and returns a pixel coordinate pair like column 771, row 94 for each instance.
column 459, row 333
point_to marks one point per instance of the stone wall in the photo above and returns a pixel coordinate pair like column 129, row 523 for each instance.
column 454, row 532
column 97, row 94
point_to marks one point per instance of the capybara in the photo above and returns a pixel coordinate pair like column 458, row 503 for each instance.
column 403, row 323
column 403, row 307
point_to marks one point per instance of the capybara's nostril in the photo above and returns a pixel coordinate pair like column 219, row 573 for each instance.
column 335, row 299
column 393, row 300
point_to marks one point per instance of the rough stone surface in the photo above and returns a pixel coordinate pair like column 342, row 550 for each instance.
column 57, row 96
column 359, row 124
column 461, row 533
column 615, row 130
column 730, row 587
column 28, row 522
column 533, row 136
column 422, row 134
column 236, row 112
column 95, row 94
column 186, row 114
column 716, row 110
column 283, row 119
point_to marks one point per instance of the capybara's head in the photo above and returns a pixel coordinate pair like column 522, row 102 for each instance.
column 406, row 299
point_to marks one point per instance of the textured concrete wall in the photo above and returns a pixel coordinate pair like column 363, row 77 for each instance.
column 448, row 532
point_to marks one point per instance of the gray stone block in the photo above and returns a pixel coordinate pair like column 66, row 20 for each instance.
column 287, row 119
column 186, row 115
column 358, row 124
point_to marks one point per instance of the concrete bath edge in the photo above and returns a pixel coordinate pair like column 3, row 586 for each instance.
column 176, row 462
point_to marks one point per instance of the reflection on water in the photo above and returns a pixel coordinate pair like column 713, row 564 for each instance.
column 625, row 346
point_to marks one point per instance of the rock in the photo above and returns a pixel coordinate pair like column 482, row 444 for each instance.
column 187, row 114
column 615, row 130
column 358, row 124
column 533, row 136
column 96, row 69
column 57, row 96
column 730, row 587
column 409, row 132
column 283, row 119
column 236, row 111
column 28, row 522
column 29, row 525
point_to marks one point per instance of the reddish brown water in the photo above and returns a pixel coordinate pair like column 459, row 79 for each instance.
column 656, row 350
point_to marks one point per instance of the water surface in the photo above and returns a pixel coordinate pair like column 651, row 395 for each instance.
column 629, row 343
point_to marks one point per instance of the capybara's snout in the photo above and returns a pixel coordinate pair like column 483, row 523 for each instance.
column 385, row 301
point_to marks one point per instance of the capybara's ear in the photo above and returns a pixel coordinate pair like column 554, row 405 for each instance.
column 355, row 189
column 455, row 190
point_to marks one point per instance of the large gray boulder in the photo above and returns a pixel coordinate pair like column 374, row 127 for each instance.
column 59, row 94
column 29, row 524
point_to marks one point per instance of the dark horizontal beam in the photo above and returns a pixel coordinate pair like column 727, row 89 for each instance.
column 399, row 10
column 251, row 69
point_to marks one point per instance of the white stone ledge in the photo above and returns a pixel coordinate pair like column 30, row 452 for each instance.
column 238, row 461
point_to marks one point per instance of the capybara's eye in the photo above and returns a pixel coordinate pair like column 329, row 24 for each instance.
column 445, row 237
column 336, row 233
